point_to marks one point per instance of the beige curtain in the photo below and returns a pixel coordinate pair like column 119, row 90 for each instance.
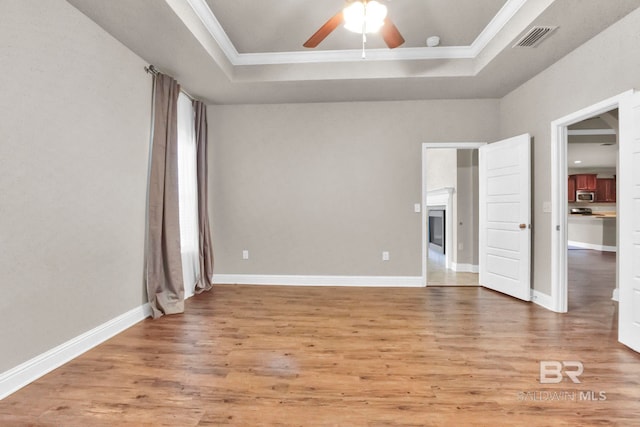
column 165, row 288
column 206, row 249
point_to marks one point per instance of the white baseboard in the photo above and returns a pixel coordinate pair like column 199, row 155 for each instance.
column 16, row 378
column 592, row 246
column 464, row 268
column 616, row 295
column 542, row 300
column 294, row 280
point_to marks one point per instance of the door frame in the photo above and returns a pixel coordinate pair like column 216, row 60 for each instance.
column 559, row 207
column 423, row 201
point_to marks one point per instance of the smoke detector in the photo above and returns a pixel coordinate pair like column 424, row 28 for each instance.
column 433, row 41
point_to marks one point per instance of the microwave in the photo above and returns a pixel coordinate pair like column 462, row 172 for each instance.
column 585, row 196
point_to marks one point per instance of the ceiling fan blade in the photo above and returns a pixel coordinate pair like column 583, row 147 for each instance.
column 325, row 30
column 390, row 34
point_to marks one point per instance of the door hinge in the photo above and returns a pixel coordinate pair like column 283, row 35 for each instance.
column 557, row 228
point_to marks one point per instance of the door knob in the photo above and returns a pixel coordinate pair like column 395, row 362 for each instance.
column 523, row 226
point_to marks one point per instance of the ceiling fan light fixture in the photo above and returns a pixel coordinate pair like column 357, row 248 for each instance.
column 364, row 16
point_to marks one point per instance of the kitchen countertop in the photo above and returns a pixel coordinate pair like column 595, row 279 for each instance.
column 595, row 215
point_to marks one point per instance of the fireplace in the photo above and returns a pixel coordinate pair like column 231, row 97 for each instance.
column 437, row 230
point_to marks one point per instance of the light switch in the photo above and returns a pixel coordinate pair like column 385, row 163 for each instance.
column 417, row 208
column 546, row 207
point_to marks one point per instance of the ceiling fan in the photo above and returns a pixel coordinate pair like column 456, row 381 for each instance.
column 360, row 16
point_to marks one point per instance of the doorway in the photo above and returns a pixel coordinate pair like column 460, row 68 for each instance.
column 450, row 214
column 628, row 212
column 560, row 196
column 592, row 168
column 504, row 213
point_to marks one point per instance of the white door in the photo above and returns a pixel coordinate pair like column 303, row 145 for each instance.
column 629, row 228
column 505, row 216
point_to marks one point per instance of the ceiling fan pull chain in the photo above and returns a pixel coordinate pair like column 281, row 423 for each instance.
column 364, row 40
column 364, row 30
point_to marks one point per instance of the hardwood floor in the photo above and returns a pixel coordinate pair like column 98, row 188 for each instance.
column 592, row 279
column 439, row 275
column 311, row 356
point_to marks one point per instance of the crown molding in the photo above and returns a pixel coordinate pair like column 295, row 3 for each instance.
column 354, row 55
column 211, row 23
column 497, row 23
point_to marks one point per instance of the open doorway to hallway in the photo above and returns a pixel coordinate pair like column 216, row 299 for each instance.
column 592, row 169
column 451, row 220
column 627, row 211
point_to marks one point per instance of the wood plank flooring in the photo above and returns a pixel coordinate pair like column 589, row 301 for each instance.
column 439, row 275
column 311, row 356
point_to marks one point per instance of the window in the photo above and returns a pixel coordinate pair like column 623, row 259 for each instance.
column 188, row 194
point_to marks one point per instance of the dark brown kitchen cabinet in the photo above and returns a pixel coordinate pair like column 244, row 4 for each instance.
column 586, row 181
column 571, row 189
column 606, row 190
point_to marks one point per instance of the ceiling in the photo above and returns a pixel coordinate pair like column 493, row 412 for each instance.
column 593, row 143
column 592, row 156
column 229, row 52
column 457, row 22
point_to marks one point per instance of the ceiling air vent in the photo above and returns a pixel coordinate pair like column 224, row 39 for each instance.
column 534, row 36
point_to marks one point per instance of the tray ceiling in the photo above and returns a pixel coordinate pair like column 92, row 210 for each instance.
column 249, row 51
column 283, row 25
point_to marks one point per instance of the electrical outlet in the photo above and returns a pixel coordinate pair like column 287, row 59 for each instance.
column 385, row 256
column 460, row 246
column 416, row 208
column 245, row 254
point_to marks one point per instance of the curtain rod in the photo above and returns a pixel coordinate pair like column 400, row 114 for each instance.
column 151, row 69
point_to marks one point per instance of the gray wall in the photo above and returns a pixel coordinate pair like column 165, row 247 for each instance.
column 74, row 126
column 604, row 66
column 441, row 165
column 325, row 188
